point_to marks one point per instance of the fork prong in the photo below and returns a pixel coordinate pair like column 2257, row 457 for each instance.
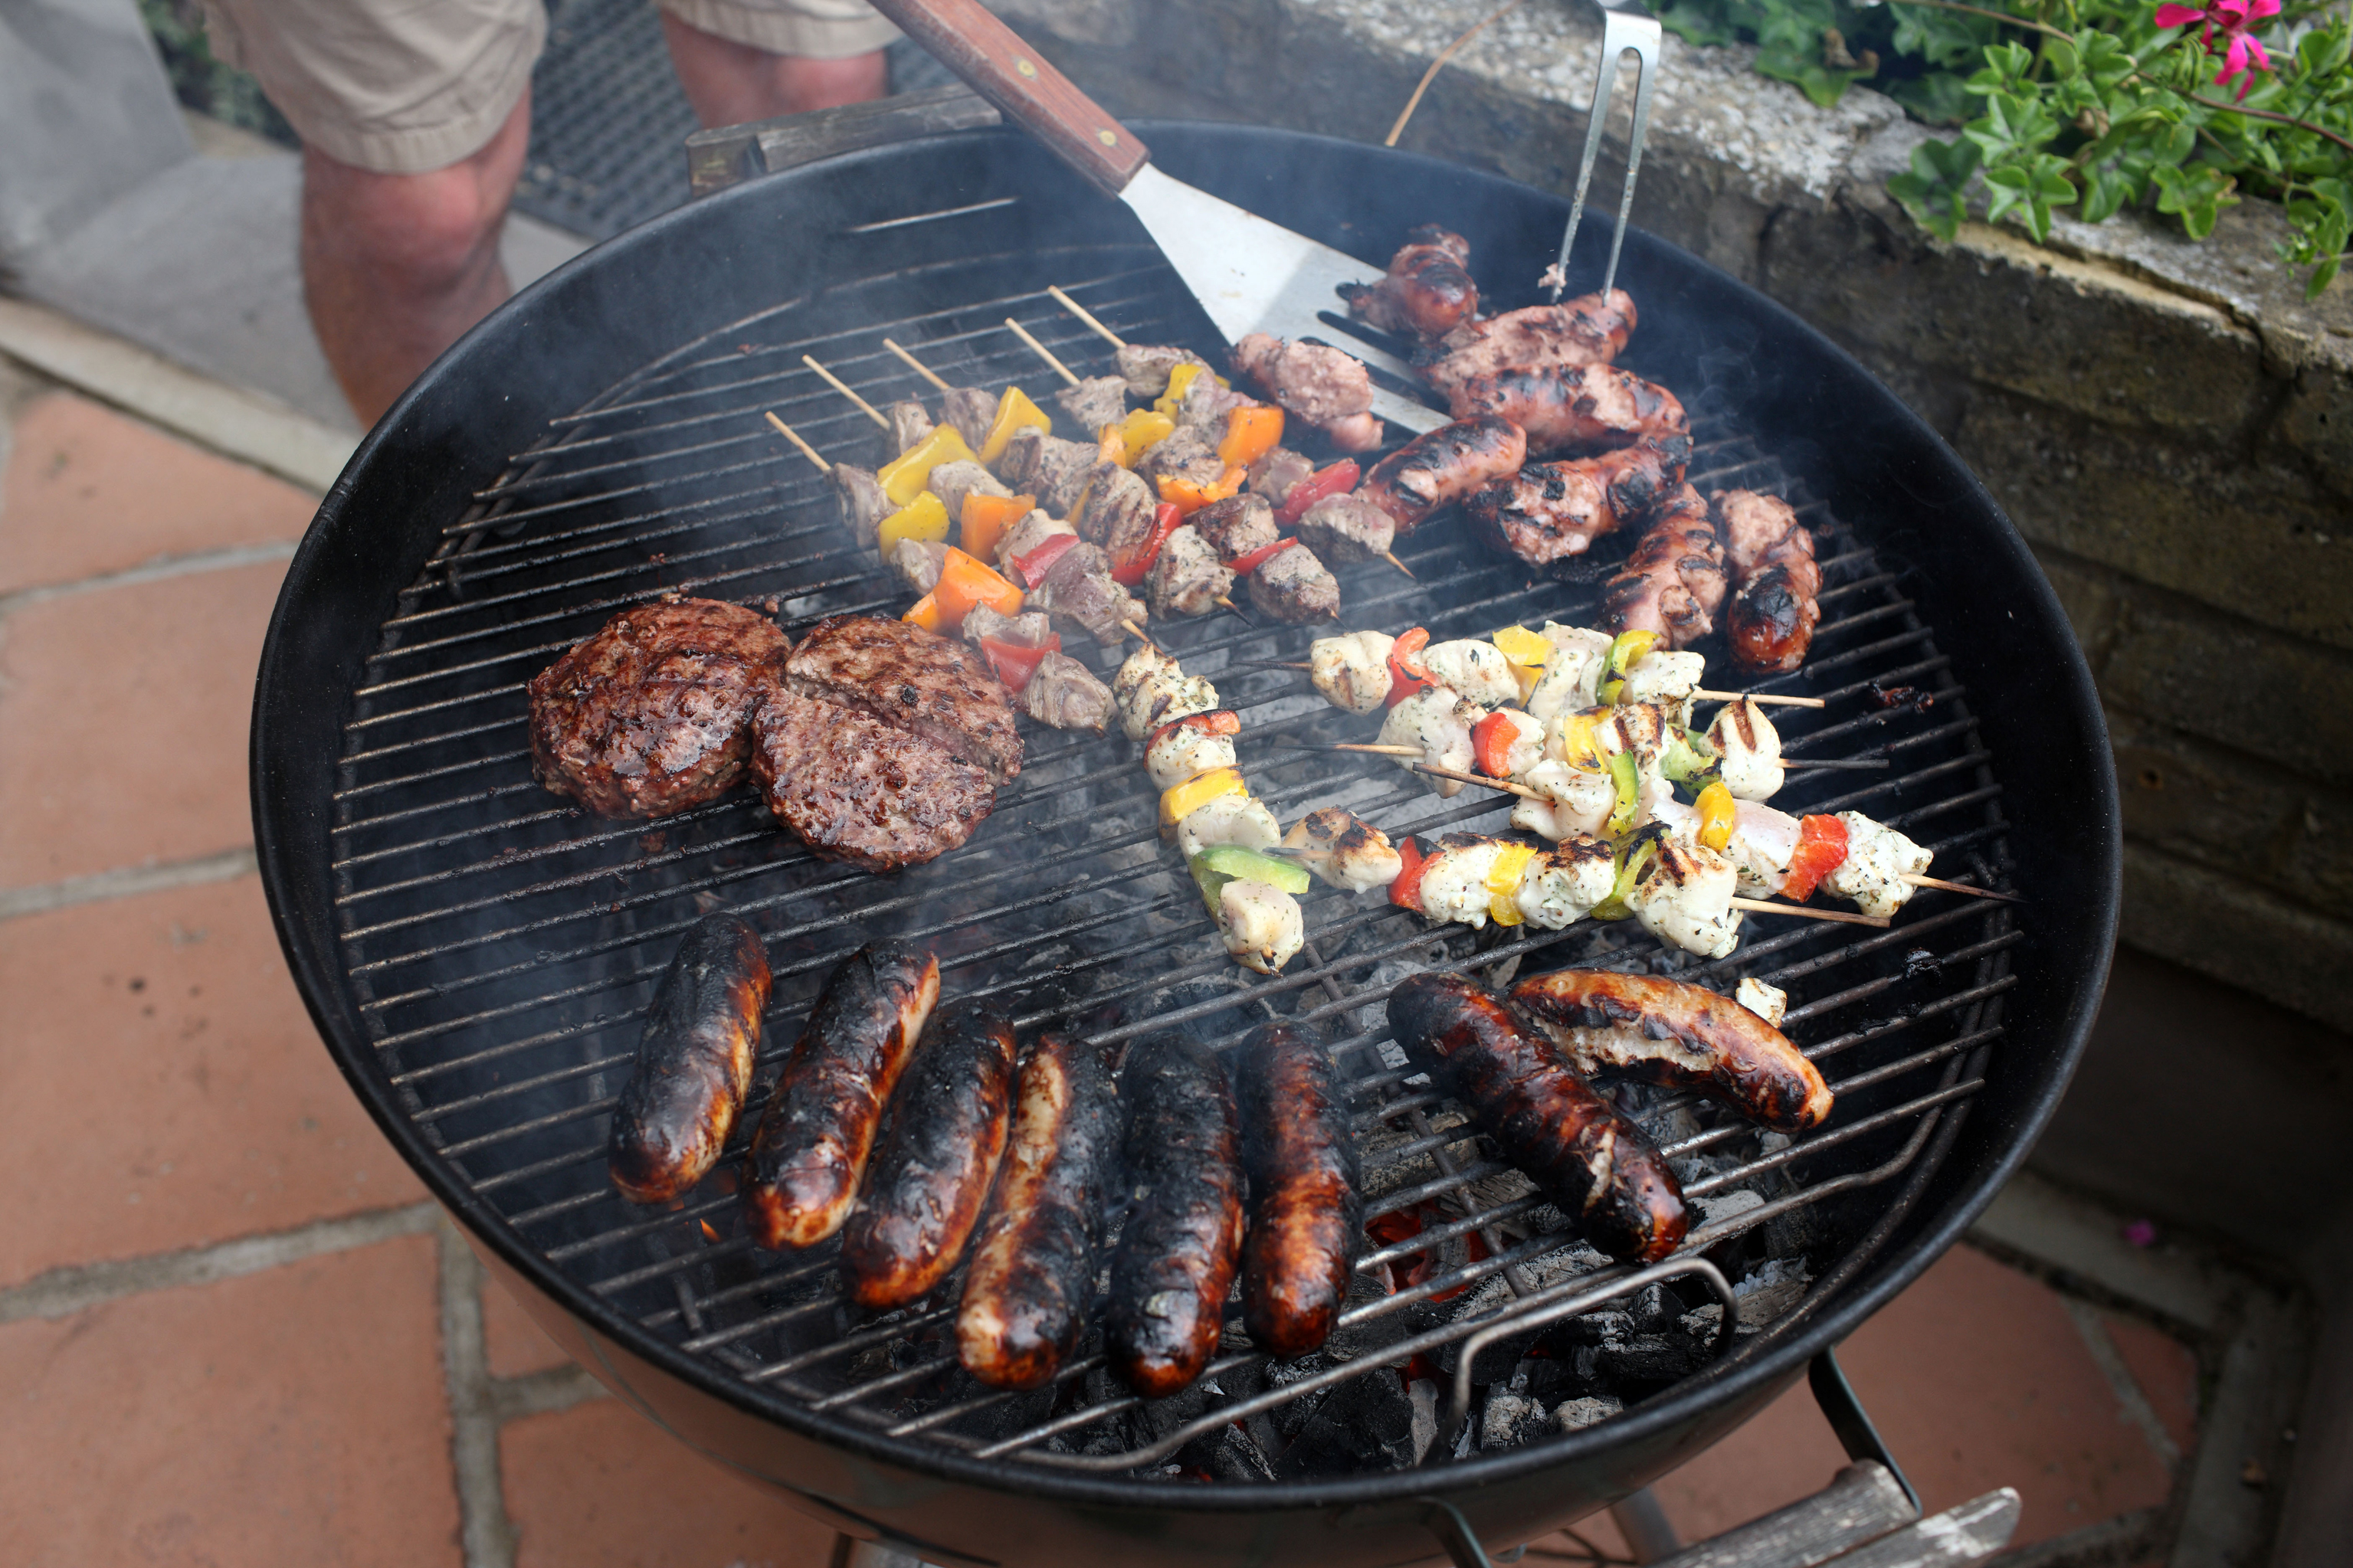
column 1622, row 30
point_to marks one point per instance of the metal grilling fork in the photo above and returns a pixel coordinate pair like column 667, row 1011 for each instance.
column 1626, row 28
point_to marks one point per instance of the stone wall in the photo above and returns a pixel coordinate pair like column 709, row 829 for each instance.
column 2170, row 423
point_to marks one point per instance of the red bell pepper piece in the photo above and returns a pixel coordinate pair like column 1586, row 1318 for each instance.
column 1243, row 565
column 1405, row 891
column 1034, row 567
column 1129, row 570
column 1407, row 675
column 1219, row 723
column 1336, row 480
column 1821, row 850
column 1491, row 740
column 1015, row 662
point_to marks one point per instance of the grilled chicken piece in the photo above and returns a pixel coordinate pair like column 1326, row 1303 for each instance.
column 1877, row 860
column 953, row 481
column 863, row 503
column 1665, row 677
column 1572, row 677
column 1145, row 366
column 1679, row 1036
column 1683, row 897
column 1427, row 293
column 1445, row 465
column 1550, row 511
column 919, row 562
column 1095, row 402
column 1585, row 406
column 1261, row 924
column 1749, row 751
column 1352, row 670
column 1230, row 819
column 1770, row 1002
column 1188, row 746
column 1235, row 526
column 1323, row 386
column 1343, row 529
column 1293, row 586
column 1563, row 885
column 1055, row 472
column 1439, row 724
column 1152, row 690
column 1273, row 475
column 1349, row 853
column 1473, row 668
column 909, row 423
column 1065, row 694
column 971, row 410
column 1578, row 801
column 1190, row 454
column 1775, row 608
column 1187, row 578
column 1589, row 329
column 1672, row 583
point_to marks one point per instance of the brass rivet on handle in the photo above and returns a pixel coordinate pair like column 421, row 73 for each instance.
column 1025, row 67
column 1106, row 138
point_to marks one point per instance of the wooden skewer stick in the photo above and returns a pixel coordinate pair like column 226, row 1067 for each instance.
column 1760, row 697
column 1391, row 556
column 1508, row 787
column 1835, row 762
column 1350, row 746
column 842, row 387
column 789, row 434
column 1836, row 916
column 1919, row 882
column 918, row 366
column 1224, row 602
column 1041, row 351
column 1082, row 312
column 1137, row 633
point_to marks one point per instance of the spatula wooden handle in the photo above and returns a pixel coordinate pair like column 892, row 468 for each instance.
column 991, row 57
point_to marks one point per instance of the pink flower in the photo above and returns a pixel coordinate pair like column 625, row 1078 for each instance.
column 2233, row 17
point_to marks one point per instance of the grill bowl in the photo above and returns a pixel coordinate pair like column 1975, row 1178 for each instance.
column 635, row 309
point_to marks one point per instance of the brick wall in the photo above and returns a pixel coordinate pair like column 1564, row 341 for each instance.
column 2170, row 424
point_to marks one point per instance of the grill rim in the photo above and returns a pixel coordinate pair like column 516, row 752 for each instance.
column 340, row 575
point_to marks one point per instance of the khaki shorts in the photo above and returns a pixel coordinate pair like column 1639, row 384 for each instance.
column 404, row 86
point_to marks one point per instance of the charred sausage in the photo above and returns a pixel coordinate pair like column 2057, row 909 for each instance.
column 1593, row 1163
column 1033, row 1269
column 1444, row 466
column 1428, row 290
column 1549, row 512
column 1177, row 1258
column 1666, row 1032
column 941, row 1139
column 1584, row 406
column 1299, row 1149
column 1589, row 330
column 1770, row 555
column 1673, row 580
column 813, row 1141
column 695, row 1061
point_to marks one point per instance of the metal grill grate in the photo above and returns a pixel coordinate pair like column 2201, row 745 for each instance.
column 501, row 945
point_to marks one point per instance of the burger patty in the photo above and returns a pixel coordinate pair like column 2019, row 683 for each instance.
column 652, row 714
column 857, row 789
column 913, row 680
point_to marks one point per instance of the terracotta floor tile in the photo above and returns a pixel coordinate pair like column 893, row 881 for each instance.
column 599, row 1484
column 2167, row 1371
column 515, row 1343
column 88, row 491
column 1977, row 1378
column 291, row 1417
column 125, row 712
column 162, row 1085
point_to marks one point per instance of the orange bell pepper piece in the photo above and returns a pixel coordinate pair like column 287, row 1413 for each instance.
column 1189, row 498
column 986, row 519
column 925, row 613
column 1250, row 433
column 964, row 583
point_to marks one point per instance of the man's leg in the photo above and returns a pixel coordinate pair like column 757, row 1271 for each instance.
column 396, row 266
column 729, row 83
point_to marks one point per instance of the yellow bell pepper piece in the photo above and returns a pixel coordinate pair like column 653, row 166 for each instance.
column 904, row 476
column 925, row 613
column 1132, row 436
column 1504, row 883
column 1525, row 652
column 1014, row 412
column 925, row 518
column 1197, row 792
column 1577, row 747
column 1179, row 379
column 1715, row 815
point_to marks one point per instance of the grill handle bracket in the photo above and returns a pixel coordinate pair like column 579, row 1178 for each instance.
column 1850, row 1422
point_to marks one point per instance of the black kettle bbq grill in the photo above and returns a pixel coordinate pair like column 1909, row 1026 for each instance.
column 476, row 953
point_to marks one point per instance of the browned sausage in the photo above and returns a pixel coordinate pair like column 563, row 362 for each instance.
column 1428, row 290
column 1550, row 511
column 1176, row 1258
column 941, row 1139
column 1770, row 555
column 1666, row 1032
column 813, row 1141
column 695, row 1061
column 1033, row 1267
column 1594, row 1164
column 1584, row 406
column 1589, row 330
column 1673, row 582
column 1299, row 1149
column 1444, row 466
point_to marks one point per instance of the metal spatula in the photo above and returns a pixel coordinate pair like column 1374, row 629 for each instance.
column 1250, row 274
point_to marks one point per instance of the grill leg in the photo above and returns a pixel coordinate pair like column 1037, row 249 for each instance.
column 1650, row 1534
column 1846, row 1413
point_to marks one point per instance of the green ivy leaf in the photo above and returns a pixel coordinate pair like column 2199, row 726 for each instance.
column 2196, row 194
column 1935, row 189
column 1936, row 98
column 2104, row 195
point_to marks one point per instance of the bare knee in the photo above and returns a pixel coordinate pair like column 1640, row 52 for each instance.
column 422, row 233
